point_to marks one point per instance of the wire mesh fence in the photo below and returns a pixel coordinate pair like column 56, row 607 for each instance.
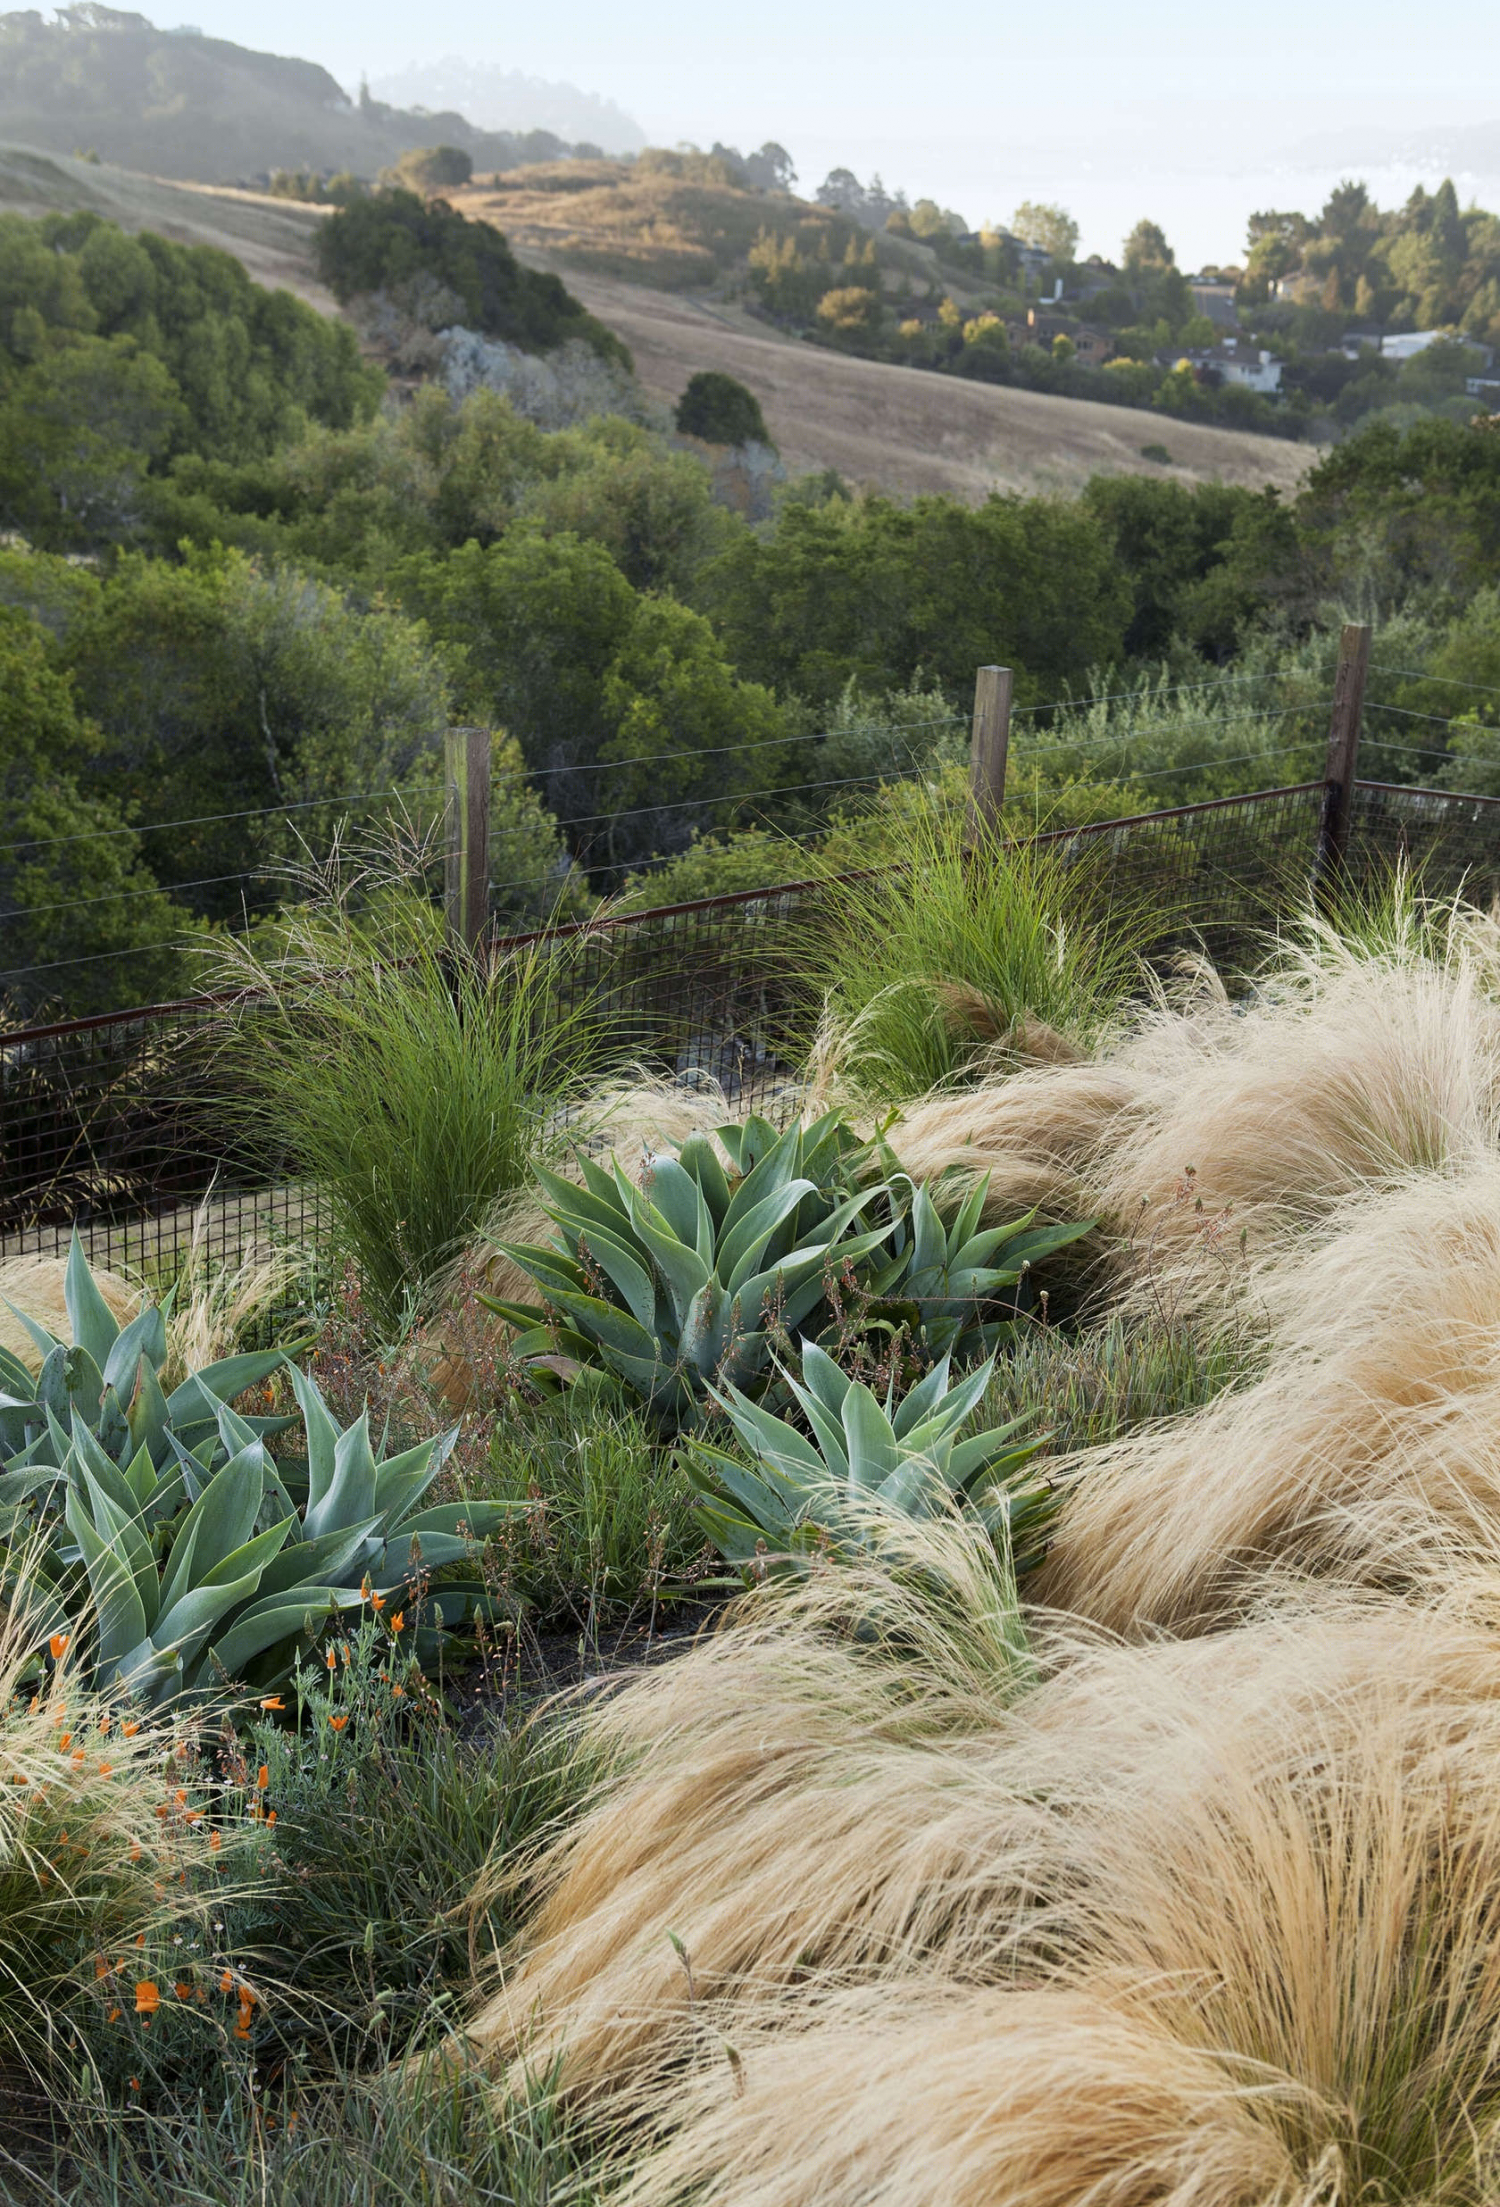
column 114, row 1123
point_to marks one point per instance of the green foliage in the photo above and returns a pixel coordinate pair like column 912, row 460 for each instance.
column 117, row 351
column 942, row 1276
column 691, row 1278
column 603, row 1532
column 585, row 672
column 222, row 688
column 1097, row 1383
column 930, row 968
column 808, row 1494
column 393, row 238
column 170, row 1531
column 414, row 1084
column 720, row 410
column 879, row 592
column 688, row 1278
column 386, row 1820
column 121, row 931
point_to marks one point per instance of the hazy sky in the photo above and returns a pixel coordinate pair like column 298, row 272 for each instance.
column 1193, row 114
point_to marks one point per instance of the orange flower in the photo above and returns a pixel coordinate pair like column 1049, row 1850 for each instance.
column 101, row 1967
column 262, row 1777
column 135, row 2084
column 398, row 1693
column 183, row 1989
column 214, row 1841
column 106, row 1770
column 226, row 1982
column 338, row 1723
column 130, row 1730
column 364, row 1588
column 65, row 1743
column 273, row 1701
column 331, row 1659
column 270, row 1819
column 140, row 1937
column 76, row 1758
column 113, row 2016
column 398, row 1620
column 377, row 1601
column 135, row 1850
column 59, row 1645
column 147, row 1997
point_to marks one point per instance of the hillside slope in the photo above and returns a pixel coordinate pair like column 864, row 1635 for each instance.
column 899, row 428
column 911, row 431
column 181, row 105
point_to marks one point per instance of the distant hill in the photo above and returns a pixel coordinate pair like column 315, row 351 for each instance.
column 176, row 104
column 494, row 98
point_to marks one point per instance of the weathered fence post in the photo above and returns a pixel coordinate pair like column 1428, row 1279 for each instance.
column 987, row 750
column 467, row 761
column 1343, row 750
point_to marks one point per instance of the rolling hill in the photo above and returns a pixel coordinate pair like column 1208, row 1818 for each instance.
column 899, row 428
column 177, row 104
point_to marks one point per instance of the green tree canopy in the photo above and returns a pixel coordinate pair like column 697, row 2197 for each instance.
column 83, row 922
column 720, row 410
column 386, row 242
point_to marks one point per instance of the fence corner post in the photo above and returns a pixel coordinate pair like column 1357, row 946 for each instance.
column 466, row 755
column 988, row 750
column 1343, row 749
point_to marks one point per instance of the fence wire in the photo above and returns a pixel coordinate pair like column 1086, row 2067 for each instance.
column 112, row 1122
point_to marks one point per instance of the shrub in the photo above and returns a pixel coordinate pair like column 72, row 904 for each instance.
column 112, row 1846
column 394, row 238
column 720, row 410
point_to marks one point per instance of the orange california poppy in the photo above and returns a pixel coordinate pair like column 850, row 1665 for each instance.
column 147, row 1997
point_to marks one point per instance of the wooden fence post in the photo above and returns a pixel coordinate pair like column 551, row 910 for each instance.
column 467, row 762
column 987, row 750
column 1343, row 749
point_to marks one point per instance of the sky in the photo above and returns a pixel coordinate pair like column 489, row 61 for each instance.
column 1193, row 115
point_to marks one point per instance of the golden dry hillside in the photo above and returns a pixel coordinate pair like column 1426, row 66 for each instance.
column 903, row 429
column 908, row 430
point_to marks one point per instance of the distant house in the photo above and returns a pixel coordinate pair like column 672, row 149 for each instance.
column 1093, row 346
column 1406, row 344
column 1247, row 367
column 1042, row 326
column 1214, row 300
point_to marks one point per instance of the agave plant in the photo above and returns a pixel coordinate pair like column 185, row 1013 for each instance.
column 819, row 1493
column 940, row 1277
column 197, row 1557
column 107, row 1376
column 685, row 1279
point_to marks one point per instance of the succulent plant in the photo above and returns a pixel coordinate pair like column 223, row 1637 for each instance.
column 108, row 1376
column 195, row 1556
column 820, row 1492
column 698, row 1274
column 685, row 1279
column 940, row 1276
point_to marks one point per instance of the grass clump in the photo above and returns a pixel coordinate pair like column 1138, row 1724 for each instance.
column 608, row 1533
column 414, row 1083
column 1096, row 1383
column 964, row 949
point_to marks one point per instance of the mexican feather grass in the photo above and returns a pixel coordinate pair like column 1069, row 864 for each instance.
column 1202, row 1921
